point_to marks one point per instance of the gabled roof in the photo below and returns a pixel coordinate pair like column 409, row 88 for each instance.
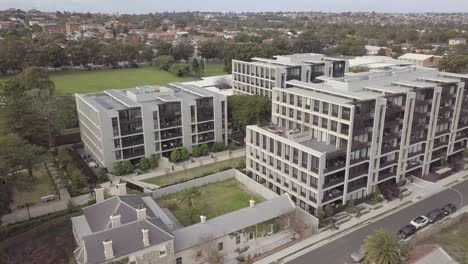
column 125, row 239
column 98, row 215
column 193, row 235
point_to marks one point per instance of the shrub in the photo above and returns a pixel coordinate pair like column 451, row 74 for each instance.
column 144, row 164
column 175, row 155
column 118, row 169
column 180, row 69
column 184, row 154
column 153, row 162
column 196, row 152
column 218, row 147
column 128, row 167
column 164, row 62
column 329, row 211
column 204, row 149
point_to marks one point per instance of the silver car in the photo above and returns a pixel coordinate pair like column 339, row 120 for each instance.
column 359, row 255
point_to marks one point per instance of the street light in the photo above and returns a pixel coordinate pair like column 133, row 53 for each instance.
column 461, row 198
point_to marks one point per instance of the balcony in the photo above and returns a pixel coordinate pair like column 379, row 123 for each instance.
column 414, row 154
column 439, row 144
column 359, row 145
column 169, row 124
column 170, row 135
column 392, row 123
column 356, row 187
column 389, row 148
column 363, row 116
column 445, row 131
column 388, row 163
column 394, row 109
column 335, row 165
column 357, row 160
column 333, row 180
column 413, row 164
column 332, row 194
column 357, row 174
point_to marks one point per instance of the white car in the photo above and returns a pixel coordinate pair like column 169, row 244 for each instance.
column 420, row 222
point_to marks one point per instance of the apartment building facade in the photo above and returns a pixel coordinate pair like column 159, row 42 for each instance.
column 340, row 140
column 135, row 123
column 260, row 76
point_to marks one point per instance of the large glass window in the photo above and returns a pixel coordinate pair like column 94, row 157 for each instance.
column 130, row 121
column 205, row 109
column 170, row 114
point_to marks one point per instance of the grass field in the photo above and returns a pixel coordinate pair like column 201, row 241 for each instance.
column 216, row 199
column 67, row 83
column 186, row 175
column 32, row 191
column 454, row 241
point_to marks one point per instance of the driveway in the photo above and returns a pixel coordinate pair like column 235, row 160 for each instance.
column 338, row 251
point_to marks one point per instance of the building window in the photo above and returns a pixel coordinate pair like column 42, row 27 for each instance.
column 270, row 230
column 251, row 235
column 179, row 261
column 238, row 239
column 162, row 253
column 199, row 253
column 220, row 246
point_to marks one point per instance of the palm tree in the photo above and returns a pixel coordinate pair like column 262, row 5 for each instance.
column 383, row 247
column 189, row 197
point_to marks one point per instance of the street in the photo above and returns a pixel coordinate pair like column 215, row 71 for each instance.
column 338, row 251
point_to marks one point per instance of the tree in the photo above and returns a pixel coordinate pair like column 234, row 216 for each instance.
column 163, row 62
column 382, row 52
column 320, row 213
column 183, row 50
column 383, row 247
column 457, row 63
column 328, row 209
column 118, row 169
column 153, row 161
column 196, row 151
column 218, row 147
column 184, row 154
column 245, row 110
column 175, row 155
column 63, row 156
column 204, row 149
column 102, row 175
column 189, row 199
column 144, row 164
column 197, row 70
column 163, row 48
column 128, row 167
column 308, row 42
column 211, row 49
column 245, row 52
column 180, row 69
column 17, row 154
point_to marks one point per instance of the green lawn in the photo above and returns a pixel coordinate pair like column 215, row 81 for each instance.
column 189, row 174
column 31, row 191
column 216, row 199
column 67, row 83
column 454, row 240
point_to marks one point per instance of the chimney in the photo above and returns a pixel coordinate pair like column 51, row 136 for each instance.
column 141, row 213
column 115, row 220
column 252, row 203
column 145, row 237
column 99, row 193
column 202, row 219
column 122, row 188
column 108, row 251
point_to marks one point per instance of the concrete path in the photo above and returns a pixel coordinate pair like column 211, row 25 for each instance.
column 323, row 247
column 188, row 165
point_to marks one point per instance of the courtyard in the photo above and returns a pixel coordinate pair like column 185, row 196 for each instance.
column 214, row 199
column 30, row 190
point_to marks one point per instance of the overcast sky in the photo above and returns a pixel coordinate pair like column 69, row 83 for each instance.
column 147, row 6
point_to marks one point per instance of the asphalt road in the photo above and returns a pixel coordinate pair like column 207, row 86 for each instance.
column 338, row 251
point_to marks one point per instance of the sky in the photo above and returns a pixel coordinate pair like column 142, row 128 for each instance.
column 148, row 6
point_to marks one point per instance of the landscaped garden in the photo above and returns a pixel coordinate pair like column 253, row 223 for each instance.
column 211, row 200
column 30, row 190
column 197, row 172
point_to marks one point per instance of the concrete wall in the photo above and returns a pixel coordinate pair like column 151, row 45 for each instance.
column 307, row 219
column 217, row 177
column 254, row 186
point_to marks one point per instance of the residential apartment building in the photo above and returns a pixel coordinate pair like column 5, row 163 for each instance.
column 259, row 76
column 337, row 141
column 135, row 123
column 457, row 41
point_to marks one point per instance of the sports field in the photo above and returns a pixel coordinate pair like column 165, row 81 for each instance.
column 67, row 83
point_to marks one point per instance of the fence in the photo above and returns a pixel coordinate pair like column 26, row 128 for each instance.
column 254, row 186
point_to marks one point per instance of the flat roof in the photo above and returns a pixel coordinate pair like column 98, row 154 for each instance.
column 329, row 89
column 122, row 98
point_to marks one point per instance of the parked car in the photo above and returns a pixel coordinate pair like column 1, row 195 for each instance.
column 420, row 222
column 449, row 208
column 358, row 256
column 407, row 231
column 435, row 215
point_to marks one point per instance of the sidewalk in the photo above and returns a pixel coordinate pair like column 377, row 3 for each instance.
column 161, row 171
column 327, row 236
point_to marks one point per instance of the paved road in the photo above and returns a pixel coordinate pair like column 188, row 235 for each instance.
column 338, row 251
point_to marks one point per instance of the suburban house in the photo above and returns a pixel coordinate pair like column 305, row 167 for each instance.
column 134, row 227
column 374, row 50
column 420, row 59
column 139, row 122
column 457, row 41
column 261, row 75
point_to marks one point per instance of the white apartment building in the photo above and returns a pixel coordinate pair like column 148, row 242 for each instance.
column 337, row 141
column 135, row 123
column 259, row 76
